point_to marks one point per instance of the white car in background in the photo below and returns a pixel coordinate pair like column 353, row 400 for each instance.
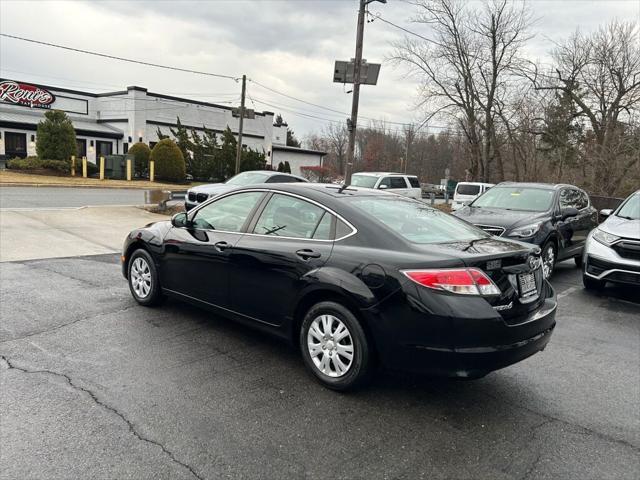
column 400, row 183
column 467, row 192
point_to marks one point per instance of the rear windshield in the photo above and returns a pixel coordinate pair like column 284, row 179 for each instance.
column 516, row 198
column 366, row 181
column 414, row 182
column 415, row 221
column 466, row 189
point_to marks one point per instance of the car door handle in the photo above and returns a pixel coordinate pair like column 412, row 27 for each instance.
column 306, row 254
column 221, row 246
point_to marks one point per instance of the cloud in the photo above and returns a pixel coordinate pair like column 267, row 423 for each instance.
column 289, row 45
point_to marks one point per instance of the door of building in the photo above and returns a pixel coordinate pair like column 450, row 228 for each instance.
column 103, row 149
column 15, row 144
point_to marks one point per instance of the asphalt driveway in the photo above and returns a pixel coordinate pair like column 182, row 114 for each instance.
column 95, row 386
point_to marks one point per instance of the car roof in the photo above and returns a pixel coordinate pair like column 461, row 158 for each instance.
column 319, row 191
column 546, row 186
column 475, row 183
column 379, row 174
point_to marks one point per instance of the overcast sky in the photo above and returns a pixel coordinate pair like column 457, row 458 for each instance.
column 288, row 45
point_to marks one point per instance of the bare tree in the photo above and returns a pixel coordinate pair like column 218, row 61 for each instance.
column 468, row 67
column 600, row 73
column 338, row 138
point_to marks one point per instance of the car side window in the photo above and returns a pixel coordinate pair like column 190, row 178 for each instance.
column 570, row 197
column 584, row 199
column 281, row 179
column 323, row 230
column 228, row 214
column 398, row 182
column 386, row 181
column 413, row 181
column 287, row 216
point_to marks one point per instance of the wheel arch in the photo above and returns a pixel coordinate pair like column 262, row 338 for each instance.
column 322, row 294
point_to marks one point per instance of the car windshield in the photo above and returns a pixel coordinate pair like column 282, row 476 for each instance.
column 415, row 221
column 466, row 189
column 516, row 198
column 631, row 208
column 366, row 181
column 248, row 178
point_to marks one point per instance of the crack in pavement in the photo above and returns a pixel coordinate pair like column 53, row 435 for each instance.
column 63, row 325
column 551, row 418
column 93, row 396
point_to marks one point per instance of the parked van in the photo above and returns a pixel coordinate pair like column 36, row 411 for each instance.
column 467, row 192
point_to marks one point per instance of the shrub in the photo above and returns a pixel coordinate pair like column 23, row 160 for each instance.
column 56, row 138
column 316, row 173
column 34, row 163
column 141, row 153
column 169, row 162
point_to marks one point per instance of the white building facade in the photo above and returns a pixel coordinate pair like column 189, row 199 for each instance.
column 109, row 123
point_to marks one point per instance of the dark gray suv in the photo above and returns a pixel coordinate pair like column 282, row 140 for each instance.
column 556, row 217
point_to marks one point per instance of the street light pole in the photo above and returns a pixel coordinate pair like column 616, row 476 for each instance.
column 356, row 94
column 241, row 124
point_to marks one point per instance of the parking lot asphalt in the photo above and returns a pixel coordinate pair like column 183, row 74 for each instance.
column 95, row 386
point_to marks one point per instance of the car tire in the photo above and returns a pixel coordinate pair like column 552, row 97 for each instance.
column 335, row 348
column 578, row 261
column 144, row 282
column 592, row 283
column 549, row 256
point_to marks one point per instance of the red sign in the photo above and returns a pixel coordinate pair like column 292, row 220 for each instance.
column 25, row 94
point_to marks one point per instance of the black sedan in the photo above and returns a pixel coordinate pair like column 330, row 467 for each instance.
column 354, row 277
column 556, row 217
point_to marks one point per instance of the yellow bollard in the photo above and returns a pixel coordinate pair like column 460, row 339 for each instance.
column 128, row 169
column 84, row 167
column 73, row 165
column 152, row 170
column 101, row 168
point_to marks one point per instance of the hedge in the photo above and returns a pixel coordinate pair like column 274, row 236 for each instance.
column 169, row 162
column 34, row 163
column 141, row 153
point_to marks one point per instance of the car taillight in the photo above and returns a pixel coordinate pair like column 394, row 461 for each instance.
column 463, row 281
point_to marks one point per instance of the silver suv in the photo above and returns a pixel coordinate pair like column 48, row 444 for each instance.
column 612, row 251
column 400, row 183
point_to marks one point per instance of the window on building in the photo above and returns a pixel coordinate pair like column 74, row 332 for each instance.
column 81, row 148
column 15, row 144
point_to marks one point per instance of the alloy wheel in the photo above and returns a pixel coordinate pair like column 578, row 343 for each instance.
column 330, row 345
column 548, row 260
column 140, row 274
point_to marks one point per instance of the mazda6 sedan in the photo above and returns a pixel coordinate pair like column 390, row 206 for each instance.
column 354, row 277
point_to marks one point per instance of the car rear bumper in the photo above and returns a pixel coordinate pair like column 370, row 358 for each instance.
column 462, row 347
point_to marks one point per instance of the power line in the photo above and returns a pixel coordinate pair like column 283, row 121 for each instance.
column 122, row 59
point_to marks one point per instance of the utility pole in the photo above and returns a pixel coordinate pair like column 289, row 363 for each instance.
column 241, row 123
column 353, row 121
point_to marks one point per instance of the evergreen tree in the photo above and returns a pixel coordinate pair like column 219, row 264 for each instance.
column 56, row 139
column 182, row 139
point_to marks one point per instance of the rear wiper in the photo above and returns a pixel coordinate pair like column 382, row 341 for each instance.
column 626, row 217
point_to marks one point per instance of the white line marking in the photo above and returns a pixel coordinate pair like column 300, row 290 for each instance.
column 568, row 292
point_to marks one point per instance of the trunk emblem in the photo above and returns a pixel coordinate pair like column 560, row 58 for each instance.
column 494, row 264
column 503, row 307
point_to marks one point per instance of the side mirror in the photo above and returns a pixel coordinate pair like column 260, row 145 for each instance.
column 180, row 220
column 382, row 187
column 604, row 213
column 569, row 212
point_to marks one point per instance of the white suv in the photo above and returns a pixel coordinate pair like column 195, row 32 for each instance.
column 400, row 183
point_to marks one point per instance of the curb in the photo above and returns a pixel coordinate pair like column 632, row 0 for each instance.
column 84, row 185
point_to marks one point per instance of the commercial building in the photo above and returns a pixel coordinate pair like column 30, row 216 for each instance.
column 108, row 123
